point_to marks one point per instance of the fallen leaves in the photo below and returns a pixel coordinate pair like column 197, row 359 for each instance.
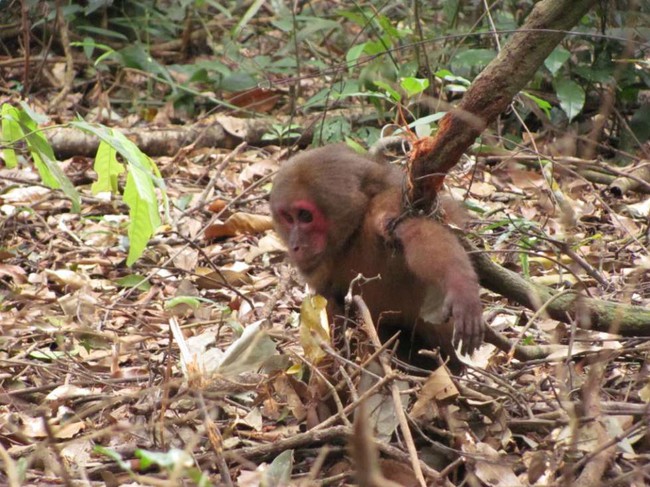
column 239, row 224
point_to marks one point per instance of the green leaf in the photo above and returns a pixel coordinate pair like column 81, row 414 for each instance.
column 394, row 94
column 113, row 455
column 422, row 126
column 338, row 91
column 556, row 59
column 450, row 9
column 168, row 460
column 139, row 193
column 108, row 169
column 135, row 281
column 414, row 86
column 103, row 32
column 374, row 47
column 137, row 56
column 334, row 129
column 313, row 25
column 11, row 133
column 525, row 264
column 89, row 46
column 279, row 472
column 198, row 477
column 354, row 53
column 447, row 75
column 190, row 301
column 474, row 58
column 238, row 82
column 247, row 17
column 354, row 145
column 543, row 104
column 47, row 355
column 48, row 167
column 571, row 96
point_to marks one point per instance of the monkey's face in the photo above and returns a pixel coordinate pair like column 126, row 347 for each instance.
column 304, row 228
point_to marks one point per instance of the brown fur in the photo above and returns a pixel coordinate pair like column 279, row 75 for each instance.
column 424, row 273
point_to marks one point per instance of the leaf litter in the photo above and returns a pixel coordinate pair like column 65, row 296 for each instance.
column 198, row 348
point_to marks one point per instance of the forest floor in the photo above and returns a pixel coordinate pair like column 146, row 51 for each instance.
column 95, row 387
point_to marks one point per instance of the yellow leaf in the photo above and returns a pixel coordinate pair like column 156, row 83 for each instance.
column 314, row 327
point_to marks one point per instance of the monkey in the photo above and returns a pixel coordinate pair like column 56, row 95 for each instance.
column 340, row 214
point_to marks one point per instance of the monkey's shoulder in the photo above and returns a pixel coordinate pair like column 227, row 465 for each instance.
column 382, row 209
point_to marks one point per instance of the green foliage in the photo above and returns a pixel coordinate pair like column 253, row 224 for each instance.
column 279, row 472
column 556, row 60
column 142, row 180
column 174, row 462
column 543, row 104
column 346, row 55
column 361, row 53
column 134, row 281
column 281, row 132
column 11, row 133
column 19, row 126
column 571, row 96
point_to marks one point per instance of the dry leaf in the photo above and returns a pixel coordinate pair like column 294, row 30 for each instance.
column 65, row 277
column 259, row 100
column 240, row 224
column 314, row 327
column 438, row 387
column 217, row 205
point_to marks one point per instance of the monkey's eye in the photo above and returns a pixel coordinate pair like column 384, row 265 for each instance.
column 304, row 216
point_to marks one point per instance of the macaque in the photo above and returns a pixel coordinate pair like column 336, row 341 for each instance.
column 340, row 215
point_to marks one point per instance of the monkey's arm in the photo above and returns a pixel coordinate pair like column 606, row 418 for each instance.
column 434, row 255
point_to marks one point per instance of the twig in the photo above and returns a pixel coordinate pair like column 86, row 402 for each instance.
column 216, row 440
column 10, row 468
column 399, row 411
column 68, row 78
column 352, row 406
column 51, row 440
column 213, row 180
column 310, row 437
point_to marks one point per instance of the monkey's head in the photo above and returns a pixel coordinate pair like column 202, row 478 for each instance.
column 319, row 200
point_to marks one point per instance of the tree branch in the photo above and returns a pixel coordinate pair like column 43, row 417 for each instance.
column 489, row 95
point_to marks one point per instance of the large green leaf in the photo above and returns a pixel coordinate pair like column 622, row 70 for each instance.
column 143, row 177
column 556, row 59
column 571, row 96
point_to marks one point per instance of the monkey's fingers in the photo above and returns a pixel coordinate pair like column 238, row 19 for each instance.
column 469, row 328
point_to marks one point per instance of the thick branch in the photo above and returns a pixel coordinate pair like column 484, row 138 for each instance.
column 490, row 94
column 604, row 316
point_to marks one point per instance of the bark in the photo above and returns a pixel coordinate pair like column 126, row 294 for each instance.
column 219, row 131
column 599, row 315
column 638, row 180
column 490, row 94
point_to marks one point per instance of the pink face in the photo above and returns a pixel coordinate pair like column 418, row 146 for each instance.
column 303, row 227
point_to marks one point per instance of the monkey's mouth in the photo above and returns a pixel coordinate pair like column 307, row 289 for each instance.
column 306, row 262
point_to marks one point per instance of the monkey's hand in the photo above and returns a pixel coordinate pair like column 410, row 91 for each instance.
column 465, row 309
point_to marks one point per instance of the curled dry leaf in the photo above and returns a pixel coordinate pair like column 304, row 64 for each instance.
column 217, row 205
column 65, row 277
column 438, row 387
column 239, row 224
column 314, row 327
column 490, row 467
column 16, row 273
column 259, row 100
column 234, row 274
